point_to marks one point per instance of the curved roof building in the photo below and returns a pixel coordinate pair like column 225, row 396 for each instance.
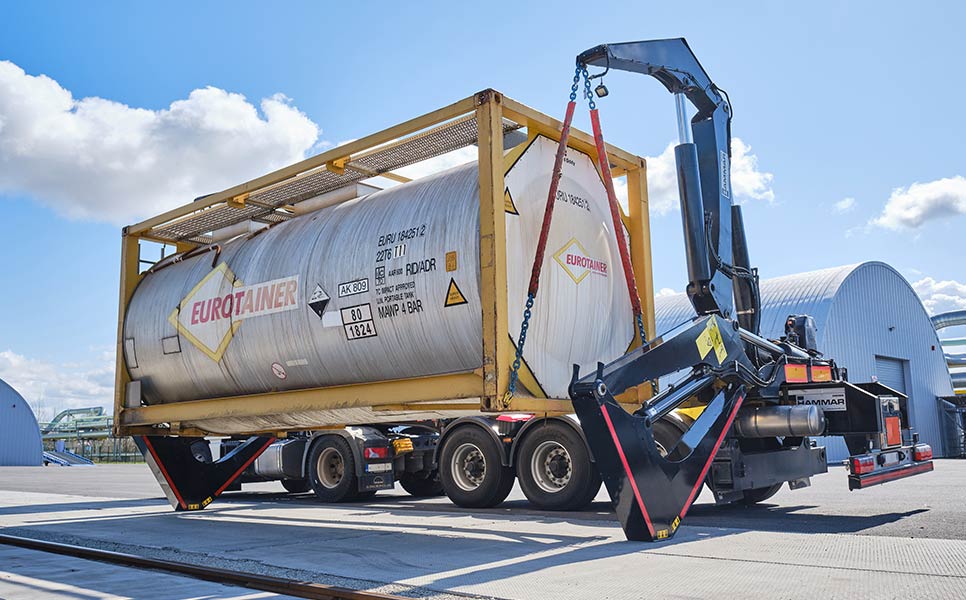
column 870, row 321
column 20, row 443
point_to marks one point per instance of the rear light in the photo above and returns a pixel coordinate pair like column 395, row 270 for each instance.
column 862, row 464
column 821, row 373
column 378, row 452
column 922, row 452
column 796, row 373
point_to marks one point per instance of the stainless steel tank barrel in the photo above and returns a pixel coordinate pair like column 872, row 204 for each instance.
column 383, row 287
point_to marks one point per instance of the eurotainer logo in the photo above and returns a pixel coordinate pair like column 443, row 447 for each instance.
column 577, row 263
column 211, row 313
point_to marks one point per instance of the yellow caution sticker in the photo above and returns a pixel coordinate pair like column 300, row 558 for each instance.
column 508, row 204
column 454, row 297
column 675, row 523
column 451, row 263
column 662, row 534
column 710, row 339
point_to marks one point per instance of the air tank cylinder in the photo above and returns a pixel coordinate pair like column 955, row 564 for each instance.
column 780, row 421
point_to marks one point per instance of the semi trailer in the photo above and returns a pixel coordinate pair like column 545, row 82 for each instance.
column 342, row 327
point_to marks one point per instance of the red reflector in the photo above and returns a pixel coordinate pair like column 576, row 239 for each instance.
column 821, row 373
column 796, row 373
column 922, row 452
column 382, row 452
column 862, row 464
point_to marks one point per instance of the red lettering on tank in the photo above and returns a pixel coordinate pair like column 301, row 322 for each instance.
column 205, row 312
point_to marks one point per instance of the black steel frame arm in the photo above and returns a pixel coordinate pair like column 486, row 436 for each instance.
column 715, row 242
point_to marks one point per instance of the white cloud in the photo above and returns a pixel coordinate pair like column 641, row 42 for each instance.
column 50, row 388
column 747, row 181
column 663, row 292
column 941, row 296
column 920, row 202
column 845, row 205
column 97, row 159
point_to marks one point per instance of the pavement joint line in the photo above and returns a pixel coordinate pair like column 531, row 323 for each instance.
column 805, row 565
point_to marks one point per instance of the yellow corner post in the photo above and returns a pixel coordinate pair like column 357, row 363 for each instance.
column 493, row 278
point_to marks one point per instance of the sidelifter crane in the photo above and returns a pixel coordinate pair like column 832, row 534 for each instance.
column 741, row 417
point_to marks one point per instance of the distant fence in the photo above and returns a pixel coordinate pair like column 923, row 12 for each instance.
column 101, row 450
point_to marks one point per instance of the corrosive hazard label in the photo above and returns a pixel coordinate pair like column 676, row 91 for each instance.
column 454, row 297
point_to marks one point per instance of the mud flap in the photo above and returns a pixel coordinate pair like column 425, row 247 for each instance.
column 189, row 478
column 650, row 493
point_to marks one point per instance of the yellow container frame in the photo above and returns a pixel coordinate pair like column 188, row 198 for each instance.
column 479, row 390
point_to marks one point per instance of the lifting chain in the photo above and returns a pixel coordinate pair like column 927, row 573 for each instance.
column 579, row 72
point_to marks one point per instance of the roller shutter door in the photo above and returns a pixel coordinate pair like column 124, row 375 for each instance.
column 891, row 372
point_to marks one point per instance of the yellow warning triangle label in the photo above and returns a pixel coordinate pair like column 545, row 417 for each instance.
column 508, row 204
column 454, row 297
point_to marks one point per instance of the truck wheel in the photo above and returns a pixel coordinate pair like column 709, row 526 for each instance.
column 332, row 470
column 472, row 471
column 554, row 468
column 750, row 497
column 296, row 486
column 421, row 487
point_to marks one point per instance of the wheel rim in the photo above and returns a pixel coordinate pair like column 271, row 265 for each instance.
column 468, row 467
column 331, row 468
column 551, row 466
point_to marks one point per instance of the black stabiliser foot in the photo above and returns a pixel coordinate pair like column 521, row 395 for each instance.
column 650, row 493
column 188, row 476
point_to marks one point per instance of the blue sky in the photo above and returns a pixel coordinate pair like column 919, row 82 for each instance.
column 835, row 101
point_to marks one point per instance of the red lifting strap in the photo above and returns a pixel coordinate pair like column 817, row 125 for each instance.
column 615, row 214
column 551, row 200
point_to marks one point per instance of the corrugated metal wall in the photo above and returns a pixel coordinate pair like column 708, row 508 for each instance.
column 20, row 443
column 862, row 311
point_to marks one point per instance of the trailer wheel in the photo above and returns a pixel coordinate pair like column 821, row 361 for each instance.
column 296, row 486
column 421, row 487
column 554, row 468
column 472, row 471
column 332, row 473
column 750, row 497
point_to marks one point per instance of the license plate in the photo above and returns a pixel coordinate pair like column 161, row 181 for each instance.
column 889, row 458
column 378, row 467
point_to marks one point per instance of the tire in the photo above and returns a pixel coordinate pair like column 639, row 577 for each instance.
column 332, row 470
column 554, row 468
column 667, row 432
column 752, row 497
column 421, row 487
column 296, row 486
column 471, row 469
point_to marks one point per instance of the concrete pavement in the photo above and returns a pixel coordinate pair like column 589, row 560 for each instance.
column 905, row 539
